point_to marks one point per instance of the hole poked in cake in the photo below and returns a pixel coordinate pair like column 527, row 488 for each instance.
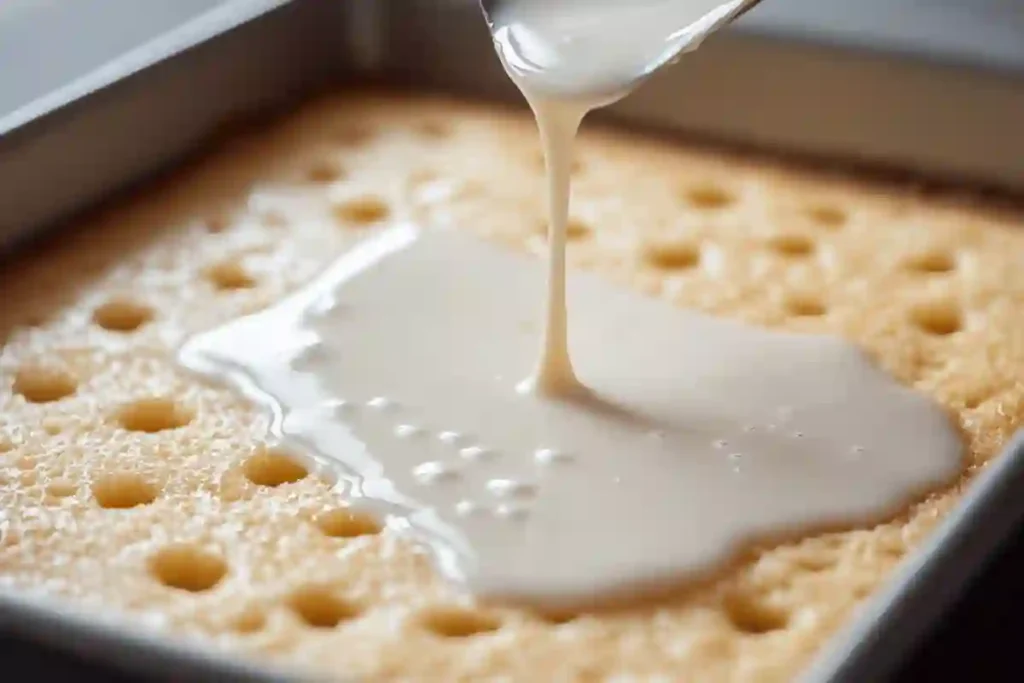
column 672, row 254
column 938, row 318
column 458, row 622
column 250, row 620
column 151, row 415
column 347, row 523
column 325, row 170
column 560, row 618
column 320, row 607
column 828, row 216
column 804, row 305
column 229, row 275
column 123, row 490
column 931, row 261
column 272, row 467
column 708, row 197
column 749, row 614
column 122, row 315
column 361, row 211
column 43, row 383
column 791, row 245
column 188, row 567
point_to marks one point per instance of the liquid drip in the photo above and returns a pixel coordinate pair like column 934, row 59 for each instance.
column 568, row 58
column 558, row 122
column 684, row 448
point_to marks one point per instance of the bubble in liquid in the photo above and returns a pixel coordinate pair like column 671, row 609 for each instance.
column 407, row 431
column 476, row 453
column 433, row 472
column 551, row 456
column 512, row 511
column 450, row 438
column 510, row 488
column 381, row 403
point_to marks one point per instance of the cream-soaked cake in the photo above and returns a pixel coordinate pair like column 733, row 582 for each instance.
column 130, row 485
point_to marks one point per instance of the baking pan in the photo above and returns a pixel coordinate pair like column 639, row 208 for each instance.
column 940, row 96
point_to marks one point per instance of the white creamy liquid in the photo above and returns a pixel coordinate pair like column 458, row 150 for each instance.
column 396, row 370
column 589, row 49
column 569, row 57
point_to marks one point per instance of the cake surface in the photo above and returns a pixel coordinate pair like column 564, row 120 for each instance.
column 128, row 485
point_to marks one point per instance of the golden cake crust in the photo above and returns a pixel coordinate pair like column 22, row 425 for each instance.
column 128, row 485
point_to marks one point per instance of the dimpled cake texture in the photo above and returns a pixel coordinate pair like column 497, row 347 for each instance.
column 128, row 486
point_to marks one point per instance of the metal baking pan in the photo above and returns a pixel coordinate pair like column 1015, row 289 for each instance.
column 939, row 93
